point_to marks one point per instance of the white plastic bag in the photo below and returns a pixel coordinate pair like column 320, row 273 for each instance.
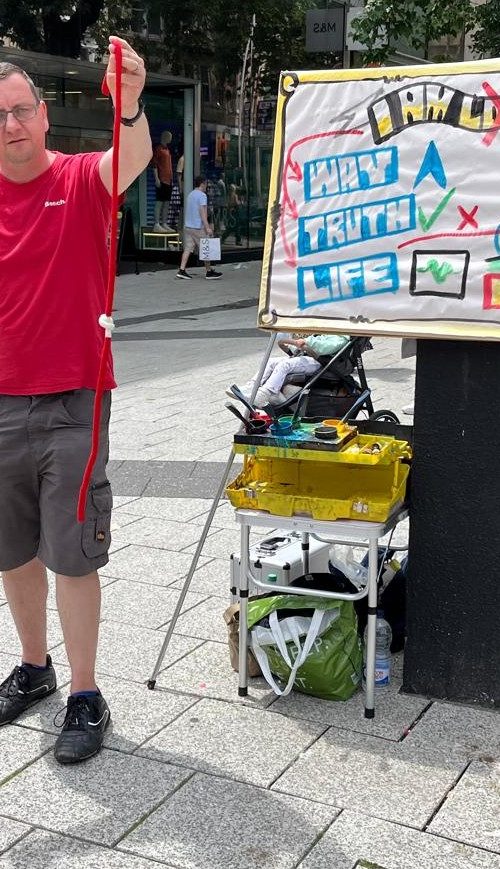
column 209, row 249
column 352, row 569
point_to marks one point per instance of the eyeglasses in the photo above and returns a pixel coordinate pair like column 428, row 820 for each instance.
column 21, row 113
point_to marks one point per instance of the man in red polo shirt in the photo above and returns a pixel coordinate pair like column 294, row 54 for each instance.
column 54, row 223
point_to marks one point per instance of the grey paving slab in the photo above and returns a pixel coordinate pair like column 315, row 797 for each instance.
column 119, row 519
column 355, row 836
column 19, row 747
column 211, row 822
column 394, row 712
column 178, row 509
column 128, row 480
column 159, row 533
column 121, row 500
column 204, row 621
column 130, row 652
column 170, row 479
column 140, row 604
column 9, row 641
column 136, row 713
column 7, row 662
column 42, row 850
column 224, row 514
column 149, row 564
column 10, row 832
column 99, row 800
column 461, row 730
column 194, row 487
column 249, row 745
column 386, row 778
column 471, row 812
column 207, row 672
column 211, row 580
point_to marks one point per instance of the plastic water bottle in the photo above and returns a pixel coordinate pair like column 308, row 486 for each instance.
column 382, row 652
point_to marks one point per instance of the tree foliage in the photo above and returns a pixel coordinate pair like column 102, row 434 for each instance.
column 56, row 27
column 385, row 23
column 216, row 34
column 486, row 39
column 195, row 32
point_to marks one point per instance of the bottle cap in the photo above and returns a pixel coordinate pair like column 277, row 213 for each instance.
column 272, row 577
column 380, row 613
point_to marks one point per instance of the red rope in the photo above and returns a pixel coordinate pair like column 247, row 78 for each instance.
column 106, row 347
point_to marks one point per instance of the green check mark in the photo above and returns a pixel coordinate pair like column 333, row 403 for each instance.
column 439, row 271
column 427, row 222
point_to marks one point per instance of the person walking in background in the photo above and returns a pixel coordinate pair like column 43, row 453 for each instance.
column 220, row 204
column 233, row 215
column 54, row 227
column 196, row 226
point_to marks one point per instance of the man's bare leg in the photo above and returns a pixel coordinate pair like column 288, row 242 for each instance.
column 79, row 605
column 26, row 591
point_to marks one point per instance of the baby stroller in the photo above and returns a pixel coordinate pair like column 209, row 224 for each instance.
column 338, row 390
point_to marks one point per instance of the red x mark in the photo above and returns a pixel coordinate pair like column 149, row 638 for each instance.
column 468, row 217
column 489, row 137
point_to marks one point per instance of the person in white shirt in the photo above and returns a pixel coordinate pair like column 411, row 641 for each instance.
column 196, row 226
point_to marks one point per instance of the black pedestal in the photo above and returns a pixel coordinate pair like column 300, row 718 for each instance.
column 453, row 645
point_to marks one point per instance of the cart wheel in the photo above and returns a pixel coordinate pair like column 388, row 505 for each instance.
column 383, row 416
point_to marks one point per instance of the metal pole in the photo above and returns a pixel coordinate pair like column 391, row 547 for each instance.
column 243, row 628
column 372, row 629
column 206, row 528
column 242, row 88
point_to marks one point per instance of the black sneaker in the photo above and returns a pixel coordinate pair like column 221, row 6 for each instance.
column 23, row 688
column 212, row 275
column 83, row 730
column 183, row 275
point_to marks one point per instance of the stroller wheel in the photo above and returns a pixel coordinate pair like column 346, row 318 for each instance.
column 383, row 416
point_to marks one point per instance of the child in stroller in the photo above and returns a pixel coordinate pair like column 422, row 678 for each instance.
column 331, row 391
column 303, row 355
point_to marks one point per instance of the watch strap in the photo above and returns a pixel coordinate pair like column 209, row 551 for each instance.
column 129, row 122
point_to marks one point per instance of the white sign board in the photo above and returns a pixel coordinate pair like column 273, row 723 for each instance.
column 384, row 210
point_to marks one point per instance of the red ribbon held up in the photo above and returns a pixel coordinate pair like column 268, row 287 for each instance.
column 106, row 319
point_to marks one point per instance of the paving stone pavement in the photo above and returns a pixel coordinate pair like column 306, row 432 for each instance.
column 191, row 777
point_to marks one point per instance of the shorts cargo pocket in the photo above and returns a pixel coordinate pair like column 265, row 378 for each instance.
column 96, row 535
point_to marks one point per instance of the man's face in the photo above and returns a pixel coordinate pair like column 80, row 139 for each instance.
column 21, row 143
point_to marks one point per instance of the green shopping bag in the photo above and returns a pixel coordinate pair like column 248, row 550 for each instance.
column 315, row 648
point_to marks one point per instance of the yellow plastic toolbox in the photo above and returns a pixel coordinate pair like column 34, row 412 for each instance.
column 327, row 490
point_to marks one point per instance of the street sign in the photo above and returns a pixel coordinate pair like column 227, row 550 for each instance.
column 266, row 113
column 325, row 29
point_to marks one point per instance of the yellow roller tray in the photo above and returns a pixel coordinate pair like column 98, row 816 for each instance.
column 322, row 490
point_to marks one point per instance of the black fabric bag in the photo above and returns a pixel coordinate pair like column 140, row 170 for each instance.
column 330, row 402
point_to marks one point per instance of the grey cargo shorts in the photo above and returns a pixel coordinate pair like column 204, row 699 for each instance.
column 44, row 446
